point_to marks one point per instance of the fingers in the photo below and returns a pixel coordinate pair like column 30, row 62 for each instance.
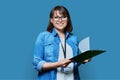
column 85, row 61
column 64, row 62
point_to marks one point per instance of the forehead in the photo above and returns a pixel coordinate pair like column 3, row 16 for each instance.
column 58, row 13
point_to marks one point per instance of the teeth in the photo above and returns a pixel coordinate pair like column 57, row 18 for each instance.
column 59, row 24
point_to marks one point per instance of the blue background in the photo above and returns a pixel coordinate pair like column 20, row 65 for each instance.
column 22, row 20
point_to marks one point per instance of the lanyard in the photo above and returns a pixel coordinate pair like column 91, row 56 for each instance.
column 64, row 48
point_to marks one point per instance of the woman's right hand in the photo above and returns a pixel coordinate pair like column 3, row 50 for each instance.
column 51, row 65
column 63, row 63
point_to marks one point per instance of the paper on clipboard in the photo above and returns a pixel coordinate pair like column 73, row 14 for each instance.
column 84, row 47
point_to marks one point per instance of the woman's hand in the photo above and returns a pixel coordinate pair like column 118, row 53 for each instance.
column 52, row 65
column 63, row 63
column 85, row 61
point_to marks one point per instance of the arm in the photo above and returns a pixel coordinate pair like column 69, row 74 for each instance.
column 38, row 58
column 50, row 65
column 39, row 63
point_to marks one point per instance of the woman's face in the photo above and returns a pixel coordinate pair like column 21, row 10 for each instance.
column 59, row 21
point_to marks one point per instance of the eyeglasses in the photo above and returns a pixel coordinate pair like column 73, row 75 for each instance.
column 58, row 18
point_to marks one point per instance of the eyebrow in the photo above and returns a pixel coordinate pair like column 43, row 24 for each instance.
column 61, row 14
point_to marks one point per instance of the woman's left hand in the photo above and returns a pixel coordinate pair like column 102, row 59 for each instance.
column 85, row 61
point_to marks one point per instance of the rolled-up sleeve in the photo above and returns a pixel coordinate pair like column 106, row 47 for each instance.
column 38, row 59
column 40, row 64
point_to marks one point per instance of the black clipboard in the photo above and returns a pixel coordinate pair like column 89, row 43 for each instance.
column 86, row 55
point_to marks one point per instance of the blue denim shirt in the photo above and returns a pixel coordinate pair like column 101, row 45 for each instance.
column 47, row 50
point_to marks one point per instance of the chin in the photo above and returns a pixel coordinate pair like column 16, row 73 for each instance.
column 61, row 28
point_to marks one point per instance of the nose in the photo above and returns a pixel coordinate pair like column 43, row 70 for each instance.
column 60, row 18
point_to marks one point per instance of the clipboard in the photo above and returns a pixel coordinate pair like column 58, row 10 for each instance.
column 86, row 55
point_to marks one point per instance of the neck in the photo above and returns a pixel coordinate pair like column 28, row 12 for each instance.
column 61, row 34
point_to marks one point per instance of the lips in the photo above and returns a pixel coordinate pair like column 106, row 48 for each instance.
column 60, row 24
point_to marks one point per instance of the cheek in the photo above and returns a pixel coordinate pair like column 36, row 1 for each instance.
column 65, row 23
column 54, row 23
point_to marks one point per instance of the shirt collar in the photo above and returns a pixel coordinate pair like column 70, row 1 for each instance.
column 56, row 34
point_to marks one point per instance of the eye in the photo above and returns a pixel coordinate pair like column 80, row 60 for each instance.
column 64, row 16
column 56, row 17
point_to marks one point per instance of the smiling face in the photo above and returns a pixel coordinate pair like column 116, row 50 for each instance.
column 59, row 21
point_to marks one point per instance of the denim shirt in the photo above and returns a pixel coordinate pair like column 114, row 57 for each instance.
column 47, row 50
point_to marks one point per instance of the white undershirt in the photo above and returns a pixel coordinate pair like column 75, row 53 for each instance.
column 69, row 54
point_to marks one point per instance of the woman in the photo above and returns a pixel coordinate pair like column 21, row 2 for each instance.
column 54, row 48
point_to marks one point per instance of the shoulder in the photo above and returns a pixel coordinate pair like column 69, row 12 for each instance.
column 74, row 38
column 42, row 35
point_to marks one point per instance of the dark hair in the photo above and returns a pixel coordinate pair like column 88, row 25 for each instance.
column 63, row 11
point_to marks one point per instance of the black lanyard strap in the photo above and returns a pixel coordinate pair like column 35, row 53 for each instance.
column 64, row 48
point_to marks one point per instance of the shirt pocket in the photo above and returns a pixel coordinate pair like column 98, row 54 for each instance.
column 49, row 51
